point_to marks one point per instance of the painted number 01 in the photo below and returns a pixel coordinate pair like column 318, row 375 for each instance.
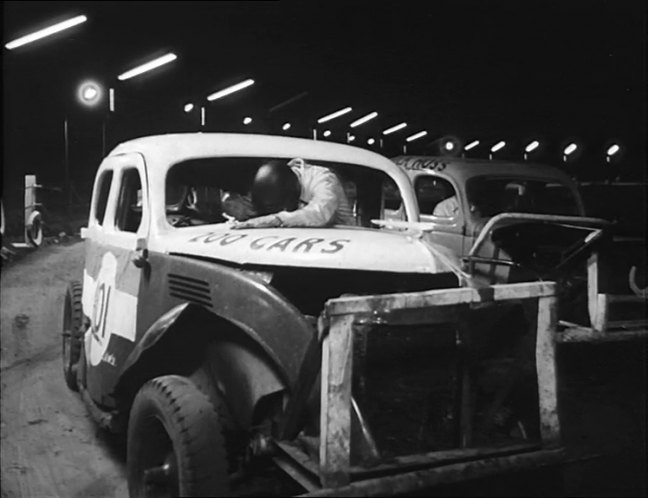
column 102, row 298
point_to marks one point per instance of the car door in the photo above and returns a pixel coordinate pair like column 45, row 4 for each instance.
column 119, row 219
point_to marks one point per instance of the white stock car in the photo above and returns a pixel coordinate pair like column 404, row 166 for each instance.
column 204, row 342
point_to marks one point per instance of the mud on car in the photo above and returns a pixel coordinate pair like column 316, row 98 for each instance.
column 218, row 350
column 505, row 221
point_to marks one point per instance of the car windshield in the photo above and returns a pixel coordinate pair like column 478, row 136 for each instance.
column 489, row 196
column 215, row 190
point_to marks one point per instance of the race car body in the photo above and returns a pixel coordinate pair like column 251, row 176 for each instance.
column 513, row 222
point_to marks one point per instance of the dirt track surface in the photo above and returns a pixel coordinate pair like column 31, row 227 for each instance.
column 50, row 446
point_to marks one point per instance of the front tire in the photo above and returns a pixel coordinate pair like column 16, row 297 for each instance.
column 72, row 336
column 175, row 442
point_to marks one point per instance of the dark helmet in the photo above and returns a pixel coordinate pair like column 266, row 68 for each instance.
column 275, row 188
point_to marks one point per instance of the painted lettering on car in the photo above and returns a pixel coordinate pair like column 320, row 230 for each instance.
column 274, row 242
column 422, row 164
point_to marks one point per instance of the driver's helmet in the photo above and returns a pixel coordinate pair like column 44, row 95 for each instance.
column 275, row 188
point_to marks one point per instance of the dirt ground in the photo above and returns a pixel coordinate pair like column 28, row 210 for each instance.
column 51, row 447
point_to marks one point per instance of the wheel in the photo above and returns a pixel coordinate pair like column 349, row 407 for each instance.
column 175, row 442
column 72, row 333
column 34, row 229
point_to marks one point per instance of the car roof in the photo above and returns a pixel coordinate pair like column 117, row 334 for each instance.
column 461, row 169
column 174, row 147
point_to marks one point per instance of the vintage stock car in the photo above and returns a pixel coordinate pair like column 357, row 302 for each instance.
column 514, row 222
column 360, row 359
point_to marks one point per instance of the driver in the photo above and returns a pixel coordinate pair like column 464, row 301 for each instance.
column 297, row 194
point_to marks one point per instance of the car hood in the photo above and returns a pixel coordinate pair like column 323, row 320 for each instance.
column 334, row 248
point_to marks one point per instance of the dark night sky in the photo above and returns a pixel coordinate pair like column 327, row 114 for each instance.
column 475, row 69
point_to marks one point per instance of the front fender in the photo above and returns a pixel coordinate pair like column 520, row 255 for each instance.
column 192, row 341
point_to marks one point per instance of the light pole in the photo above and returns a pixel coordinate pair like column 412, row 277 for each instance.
column 89, row 94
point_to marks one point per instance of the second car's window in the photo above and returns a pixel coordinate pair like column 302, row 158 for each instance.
column 436, row 196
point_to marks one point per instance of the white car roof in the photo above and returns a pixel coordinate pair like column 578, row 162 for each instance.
column 176, row 147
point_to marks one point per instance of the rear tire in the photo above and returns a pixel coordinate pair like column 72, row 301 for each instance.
column 175, row 442
column 72, row 333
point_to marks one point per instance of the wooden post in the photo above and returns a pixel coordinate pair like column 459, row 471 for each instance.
column 546, row 369
column 335, row 412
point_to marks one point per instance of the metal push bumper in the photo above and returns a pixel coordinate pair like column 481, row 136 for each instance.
column 601, row 328
column 333, row 473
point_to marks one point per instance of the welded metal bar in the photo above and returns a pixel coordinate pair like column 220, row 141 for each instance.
column 335, row 411
column 421, row 479
column 440, row 297
column 440, row 458
column 546, row 370
column 583, row 334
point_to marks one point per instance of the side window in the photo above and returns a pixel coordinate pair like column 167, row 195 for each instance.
column 101, row 199
column 129, row 205
column 436, row 196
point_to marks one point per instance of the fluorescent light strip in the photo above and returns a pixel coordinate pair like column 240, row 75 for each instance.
column 399, row 126
column 160, row 61
column 532, row 146
column 334, row 115
column 363, row 119
column 498, row 146
column 570, row 148
column 45, row 32
column 231, row 89
column 416, row 136
column 472, row 145
column 613, row 149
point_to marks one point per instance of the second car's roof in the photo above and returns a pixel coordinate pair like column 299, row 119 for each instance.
column 462, row 169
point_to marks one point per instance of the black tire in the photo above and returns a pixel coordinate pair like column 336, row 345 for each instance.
column 175, row 442
column 72, row 333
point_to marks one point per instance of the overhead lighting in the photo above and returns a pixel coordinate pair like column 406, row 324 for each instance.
column 613, row 149
column 399, row 126
column 498, row 146
column 363, row 119
column 89, row 93
column 37, row 35
column 111, row 99
column 155, row 63
column 188, row 107
column 532, row 146
column 286, row 126
column 231, row 89
column 327, row 133
column 371, row 141
column 416, row 136
column 334, row 115
column 472, row 145
column 351, row 138
column 449, row 145
column 570, row 149
column 247, row 120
